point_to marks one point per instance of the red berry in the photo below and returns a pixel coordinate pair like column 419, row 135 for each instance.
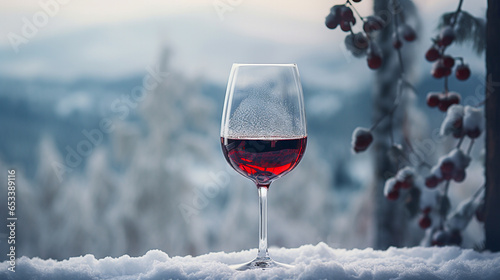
column 336, row 10
column 432, row 99
column 458, row 128
column 373, row 23
column 368, row 27
column 447, row 168
column 438, row 70
column 447, row 71
column 398, row 185
column 443, row 107
column 458, row 124
column 393, row 195
column 345, row 25
column 426, row 210
column 439, row 238
column 373, row 56
column 462, row 72
column 455, row 238
column 406, row 184
column 353, row 20
column 454, row 98
column 362, row 138
column 447, row 100
column 425, row 221
column 444, row 104
column 447, row 36
column 474, row 133
column 396, row 43
column 448, row 61
column 459, row 176
column 432, row 54
column 374, row 60
column 332, row 21
column 408, row 33
column 360, row 41
column 346, row 14
column 432, row 181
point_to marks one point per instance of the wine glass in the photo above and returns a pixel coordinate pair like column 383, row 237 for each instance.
column 263, row 133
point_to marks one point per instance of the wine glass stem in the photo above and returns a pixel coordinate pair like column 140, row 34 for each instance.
column 262, row 221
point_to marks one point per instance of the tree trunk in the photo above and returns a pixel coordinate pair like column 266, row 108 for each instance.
column 389, row 221
column 492, row 224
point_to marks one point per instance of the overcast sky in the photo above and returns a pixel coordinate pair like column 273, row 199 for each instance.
column 294, row 23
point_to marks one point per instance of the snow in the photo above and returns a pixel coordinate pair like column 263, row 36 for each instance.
column 460, row 218
column 436, row 171
column 455, row 113
column 405, row 173
column 428, row 197
column 473, row 118
column 389, row 185
column 458, row 118
column 310, row 262
column 457, row 156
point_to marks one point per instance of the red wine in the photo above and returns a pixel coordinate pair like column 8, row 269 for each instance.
column 263, row 160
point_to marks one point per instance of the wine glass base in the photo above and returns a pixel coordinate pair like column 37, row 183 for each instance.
column 260, row 263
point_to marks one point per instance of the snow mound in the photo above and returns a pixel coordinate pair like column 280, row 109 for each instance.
column 311, row 262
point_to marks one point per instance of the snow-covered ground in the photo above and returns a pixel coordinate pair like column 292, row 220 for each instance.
column 310, row 262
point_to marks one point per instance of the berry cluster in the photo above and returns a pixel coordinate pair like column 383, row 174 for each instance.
column 442, row 100
column 361, row 43
column 450, row 167
column 443, row 64
column 447, row 230
column 443, row 237
column 404, row 179
column 340, row 15
column 460, row 121
column 443, row 67
column 463, row 121
column 405, row 31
